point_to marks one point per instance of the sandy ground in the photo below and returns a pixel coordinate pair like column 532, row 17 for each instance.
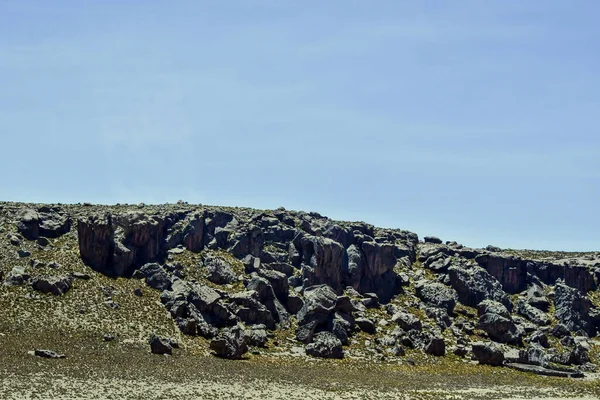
column 54, row 387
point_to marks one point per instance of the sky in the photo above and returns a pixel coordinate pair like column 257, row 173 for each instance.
column 474, row 121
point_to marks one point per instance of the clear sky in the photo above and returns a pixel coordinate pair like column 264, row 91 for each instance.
column 476, row 121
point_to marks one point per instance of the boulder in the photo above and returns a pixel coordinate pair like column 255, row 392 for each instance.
column 219, row 270
column 534, row 354
column 366, row 325
column 492, row 307
column 267, row 296
column 500, row 329
column 278, row 280
column 17, row 277
column 436, row 294
column 294, row 303
column 251, row 311
column 257, row 336
column 325, row 345
column 572, row 309
column 436, row 347
column 57, row 285
column 319, row 305
column 432, row 239
column 156, row 276
column 474, row 284
column 47, row 354
column 160, row 345
column 532, row 313
column 230, row 343
column 407, row 321
column 536, row 298
column 46, row 221
column 487, row 353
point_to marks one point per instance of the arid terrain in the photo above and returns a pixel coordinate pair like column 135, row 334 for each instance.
column 191, row 301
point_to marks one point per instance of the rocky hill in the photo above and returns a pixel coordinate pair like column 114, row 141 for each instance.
column 236, row 282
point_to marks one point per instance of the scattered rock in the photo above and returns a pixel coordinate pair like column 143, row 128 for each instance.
column 156, row 276
column 230, row 343
column 81, row 275
column 219, row 271
column 57, row 285
column 160, row 345
column 488, row 353
column 48, row 354
column 366, row 325
column 432, row 239
column 325, row 345
column 17, row 277
column 407, row 321
column 436, row 347
column 436, row 294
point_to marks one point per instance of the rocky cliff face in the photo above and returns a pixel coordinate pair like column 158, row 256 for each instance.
column 236, row 275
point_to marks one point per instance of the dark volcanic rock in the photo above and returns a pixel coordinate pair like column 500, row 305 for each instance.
column 474, row 284
column 572, row 309
column 160, row 345
column 436, row 294
column 57, row 285
column 156, row 276
column 114, row 245
column 500, row 329
column 407, row 321
column 47, row 222
column 488, row 353
column 325, row 345
column 219, row 270
column 432, row 239
column 48, row 354
column 322, row 261
column 510, row 271
column 436, row 347
column 17, row 277
column 230, row 343
column 319, row 305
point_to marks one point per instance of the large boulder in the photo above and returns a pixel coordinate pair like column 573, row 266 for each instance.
column 46, row 221
column 572, row 309
column 251, row 311
column 325, row 345
column 197, row 303
column 160, row 345
column 436, row 294
column 319, row 305
column 156, row 276
column 407, row 321
column 219, row 271
column 474, row 284
column 500, row 328
column 230, row 343
column 57, row 285
column 532, row 313
column 267, row 296
column 488, row 353
column 436, row 347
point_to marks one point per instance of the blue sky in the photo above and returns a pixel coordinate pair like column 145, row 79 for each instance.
column 476, row 121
